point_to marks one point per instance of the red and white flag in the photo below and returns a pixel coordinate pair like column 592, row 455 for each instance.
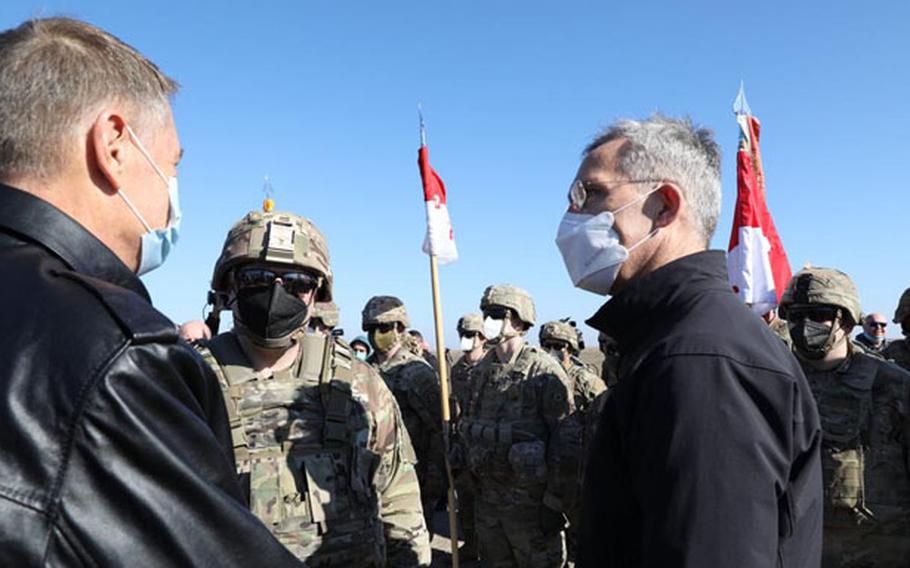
column 756, row 262
column 440, row 239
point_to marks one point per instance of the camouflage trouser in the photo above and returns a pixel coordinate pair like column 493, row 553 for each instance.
column 875, row 546
column 464, row 486
column 511, row 536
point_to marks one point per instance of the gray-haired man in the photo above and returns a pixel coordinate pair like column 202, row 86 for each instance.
column 115, row 443
column 707, row 451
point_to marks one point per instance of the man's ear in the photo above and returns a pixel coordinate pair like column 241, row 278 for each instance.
column 108, row 138
column 669, row 204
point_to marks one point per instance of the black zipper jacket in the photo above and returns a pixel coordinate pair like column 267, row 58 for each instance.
column 707, row 450
column 114, row 443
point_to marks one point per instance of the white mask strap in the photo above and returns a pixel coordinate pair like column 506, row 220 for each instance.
column 636, row 200
column 134, row 210
column 145, row 153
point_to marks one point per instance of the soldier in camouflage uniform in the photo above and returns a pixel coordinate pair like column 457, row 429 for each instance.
column 863, row 405
column 899, row 350
column 416, row 387
column 325, row 318
column 560, row 340
column 473, row 347
column 519, row 395
column 319, row 441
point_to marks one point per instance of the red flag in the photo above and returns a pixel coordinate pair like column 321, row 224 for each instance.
column 757, row 263
column 440, row 239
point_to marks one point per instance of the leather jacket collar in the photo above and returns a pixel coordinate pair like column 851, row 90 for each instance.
column 30, row 218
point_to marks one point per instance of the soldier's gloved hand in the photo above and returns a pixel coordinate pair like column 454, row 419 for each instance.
column 551, row 521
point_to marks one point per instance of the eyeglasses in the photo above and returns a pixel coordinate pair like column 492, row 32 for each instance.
column 293, row 282
column 496, row 312
column 469, row 334
column 383, row 327
column 816, row 314
column 548, row 346
column 581, row 189
column 877, row 324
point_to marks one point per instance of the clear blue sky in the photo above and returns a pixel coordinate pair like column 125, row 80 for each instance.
column 322, row 96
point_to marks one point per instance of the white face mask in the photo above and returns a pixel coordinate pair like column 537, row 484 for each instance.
column 467, row 343
column 591, row 250
column 492, row 328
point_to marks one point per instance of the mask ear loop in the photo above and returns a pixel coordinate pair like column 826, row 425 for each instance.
column 629, row 204
column 838, row 318
column 146, row 154
column 135, row 211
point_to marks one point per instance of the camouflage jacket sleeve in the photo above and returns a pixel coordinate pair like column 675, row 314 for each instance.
column 424, row 394
column 407, row 540
column 556, row 406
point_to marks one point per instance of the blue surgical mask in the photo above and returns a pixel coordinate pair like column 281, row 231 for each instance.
column 156, row 244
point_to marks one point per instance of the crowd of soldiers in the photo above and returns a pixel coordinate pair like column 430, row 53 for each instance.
column 298, row 394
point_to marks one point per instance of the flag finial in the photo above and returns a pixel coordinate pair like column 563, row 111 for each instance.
column 268, row 204
column 741, row 105
column 423, row 127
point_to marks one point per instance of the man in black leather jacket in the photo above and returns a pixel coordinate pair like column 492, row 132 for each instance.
column 113, row 435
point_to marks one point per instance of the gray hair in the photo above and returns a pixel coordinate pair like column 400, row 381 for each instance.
column 54, row 73
column 675, row 150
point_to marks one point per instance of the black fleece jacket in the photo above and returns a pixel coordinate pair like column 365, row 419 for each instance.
column 707, row 451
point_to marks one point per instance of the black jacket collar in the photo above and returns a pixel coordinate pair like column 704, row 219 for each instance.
column 36, row 220
column 658, row 296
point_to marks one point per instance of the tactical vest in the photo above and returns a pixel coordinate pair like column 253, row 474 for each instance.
column 503, row 428
column 300, row 440
column 862, row 415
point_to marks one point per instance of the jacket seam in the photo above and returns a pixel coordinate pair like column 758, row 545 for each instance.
column 60, row 478
column 19, row 497
column 727, row 357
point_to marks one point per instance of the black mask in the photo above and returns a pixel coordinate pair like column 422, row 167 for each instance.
column 812, row 339
column 270, row 314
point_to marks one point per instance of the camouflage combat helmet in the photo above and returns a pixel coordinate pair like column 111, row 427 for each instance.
column 903, row 307
column 826, row 286
column 327, row 312
column 470, row 323
column 512, row 297
column 280, row 238
column 559, row 331
column 384, row 309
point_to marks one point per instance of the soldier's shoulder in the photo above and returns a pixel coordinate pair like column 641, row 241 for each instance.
column 898, row 348
column 880, row 370
column 583, row 368
column 415, row 366
column 540, row 362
